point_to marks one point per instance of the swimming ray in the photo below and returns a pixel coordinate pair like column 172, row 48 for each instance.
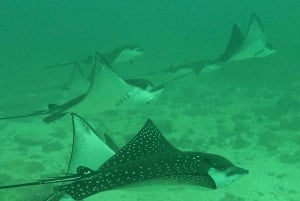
column 81, row 75
column 107, row 91
column 252, row 45
column 239, row 47
column 126, row 53
column 147, row 157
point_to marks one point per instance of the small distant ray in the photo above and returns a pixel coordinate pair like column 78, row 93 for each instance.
column 126, row 53
column 252, row 45
column 79, row 77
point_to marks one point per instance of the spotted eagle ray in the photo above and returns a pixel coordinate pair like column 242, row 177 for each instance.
column 148, row 158
column 253, row 45
column 126, row 53
column 122, row 54
column 107, row 91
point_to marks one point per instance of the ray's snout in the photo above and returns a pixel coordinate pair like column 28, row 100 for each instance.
column 236, row 171
column 224, row 177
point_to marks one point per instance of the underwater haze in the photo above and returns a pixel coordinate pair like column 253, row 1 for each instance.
column 247, row 111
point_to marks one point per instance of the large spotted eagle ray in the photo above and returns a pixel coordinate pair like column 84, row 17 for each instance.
column 148, row 157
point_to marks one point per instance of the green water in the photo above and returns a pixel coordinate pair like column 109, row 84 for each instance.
column 248, row 111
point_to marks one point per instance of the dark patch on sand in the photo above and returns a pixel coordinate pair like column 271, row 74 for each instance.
column 291, row 158
column 232, row 197
column 34, row 167
column 53, row 146
column 269, row 140
column 30, row 139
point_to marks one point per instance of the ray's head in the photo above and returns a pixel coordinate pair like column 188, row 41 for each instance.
column 128, row 53
column 221, row 170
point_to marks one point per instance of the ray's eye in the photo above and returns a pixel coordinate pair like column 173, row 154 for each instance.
column 86, row 172
column 210, row 162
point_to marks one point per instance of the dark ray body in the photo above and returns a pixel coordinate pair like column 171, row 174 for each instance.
column 185, row 168
column 146, row 158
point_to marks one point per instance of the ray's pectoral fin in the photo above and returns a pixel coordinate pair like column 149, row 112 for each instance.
column 234, row 44
column 87, row 142
column 98, row 146
column 148, row 142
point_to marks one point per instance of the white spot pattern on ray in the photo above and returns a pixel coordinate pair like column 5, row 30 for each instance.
column 148, row 142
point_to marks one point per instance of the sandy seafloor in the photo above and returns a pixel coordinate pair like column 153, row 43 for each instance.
column 255, row 127
column 247, row 111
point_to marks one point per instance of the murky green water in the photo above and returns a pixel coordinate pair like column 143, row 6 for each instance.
column 247, row 111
